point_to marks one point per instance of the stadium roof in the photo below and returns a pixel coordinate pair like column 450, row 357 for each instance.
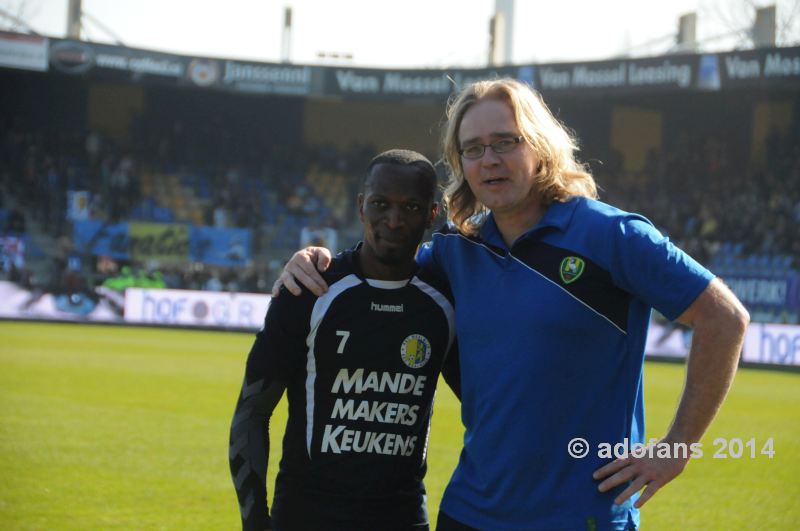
column 772, row 67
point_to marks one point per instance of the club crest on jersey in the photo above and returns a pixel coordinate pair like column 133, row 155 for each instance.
column 415, row 351
column 571, row 269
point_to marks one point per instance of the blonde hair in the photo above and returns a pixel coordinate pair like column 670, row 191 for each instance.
column 560, row 175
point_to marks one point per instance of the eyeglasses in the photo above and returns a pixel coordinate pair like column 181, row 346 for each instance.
column 503, row 145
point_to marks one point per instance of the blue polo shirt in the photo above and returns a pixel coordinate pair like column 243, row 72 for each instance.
column 552, row 333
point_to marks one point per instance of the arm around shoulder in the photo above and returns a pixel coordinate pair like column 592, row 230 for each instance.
column 303, row 268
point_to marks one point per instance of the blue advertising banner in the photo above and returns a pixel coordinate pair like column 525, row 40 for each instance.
column 101, row 238
column 771, row 299
column 774, row 291
column 165, row 242
column 226, row 247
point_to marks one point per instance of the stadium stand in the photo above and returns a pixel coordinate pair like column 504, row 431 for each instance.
column 735, row 220
column 715, row 177
column 162, row 179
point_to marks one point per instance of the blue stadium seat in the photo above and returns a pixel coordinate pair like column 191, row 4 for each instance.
column 751, row 263
column 163, row 215
column 268, row 214
column 32, row 249
column 785, row 263
column 145, row 209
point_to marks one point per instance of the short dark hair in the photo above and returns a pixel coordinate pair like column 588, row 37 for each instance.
column 404, row 157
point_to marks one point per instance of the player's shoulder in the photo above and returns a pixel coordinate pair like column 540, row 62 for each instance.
column 433, row 282
column 341, row 266
column 450, row 229
column 599, row 212
column 446, row 229
column 449, row 236
column 300, row 307
column 343, row 269
column 287, row 302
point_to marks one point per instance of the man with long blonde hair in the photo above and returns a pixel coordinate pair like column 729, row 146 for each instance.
column 554, row 291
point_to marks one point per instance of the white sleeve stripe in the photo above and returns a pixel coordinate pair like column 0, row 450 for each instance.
column 442, row 301
column 320, row 308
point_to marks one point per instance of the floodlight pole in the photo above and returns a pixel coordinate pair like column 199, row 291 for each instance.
column 501, row 33
column 74, row 10
column 764, row 27
column 286, row 43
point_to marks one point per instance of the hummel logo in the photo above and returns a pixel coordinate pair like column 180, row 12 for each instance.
column 386, row 307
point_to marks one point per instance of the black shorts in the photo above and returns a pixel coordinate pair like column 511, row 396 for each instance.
column 447, row 523
column 350, row 526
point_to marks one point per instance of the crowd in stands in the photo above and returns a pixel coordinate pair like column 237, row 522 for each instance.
column 161, row 178
column 731, row 217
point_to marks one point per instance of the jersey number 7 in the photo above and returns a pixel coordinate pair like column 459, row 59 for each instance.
column 344, row 334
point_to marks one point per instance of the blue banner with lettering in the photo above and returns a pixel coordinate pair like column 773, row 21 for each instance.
column 226, row 247
column 209, row 245
column 772, row 299
column 777, row 291
column 101, row 239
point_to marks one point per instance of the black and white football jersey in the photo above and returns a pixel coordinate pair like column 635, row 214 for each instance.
column 360, row 366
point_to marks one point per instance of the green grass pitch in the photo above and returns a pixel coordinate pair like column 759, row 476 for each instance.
column 127, row 428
